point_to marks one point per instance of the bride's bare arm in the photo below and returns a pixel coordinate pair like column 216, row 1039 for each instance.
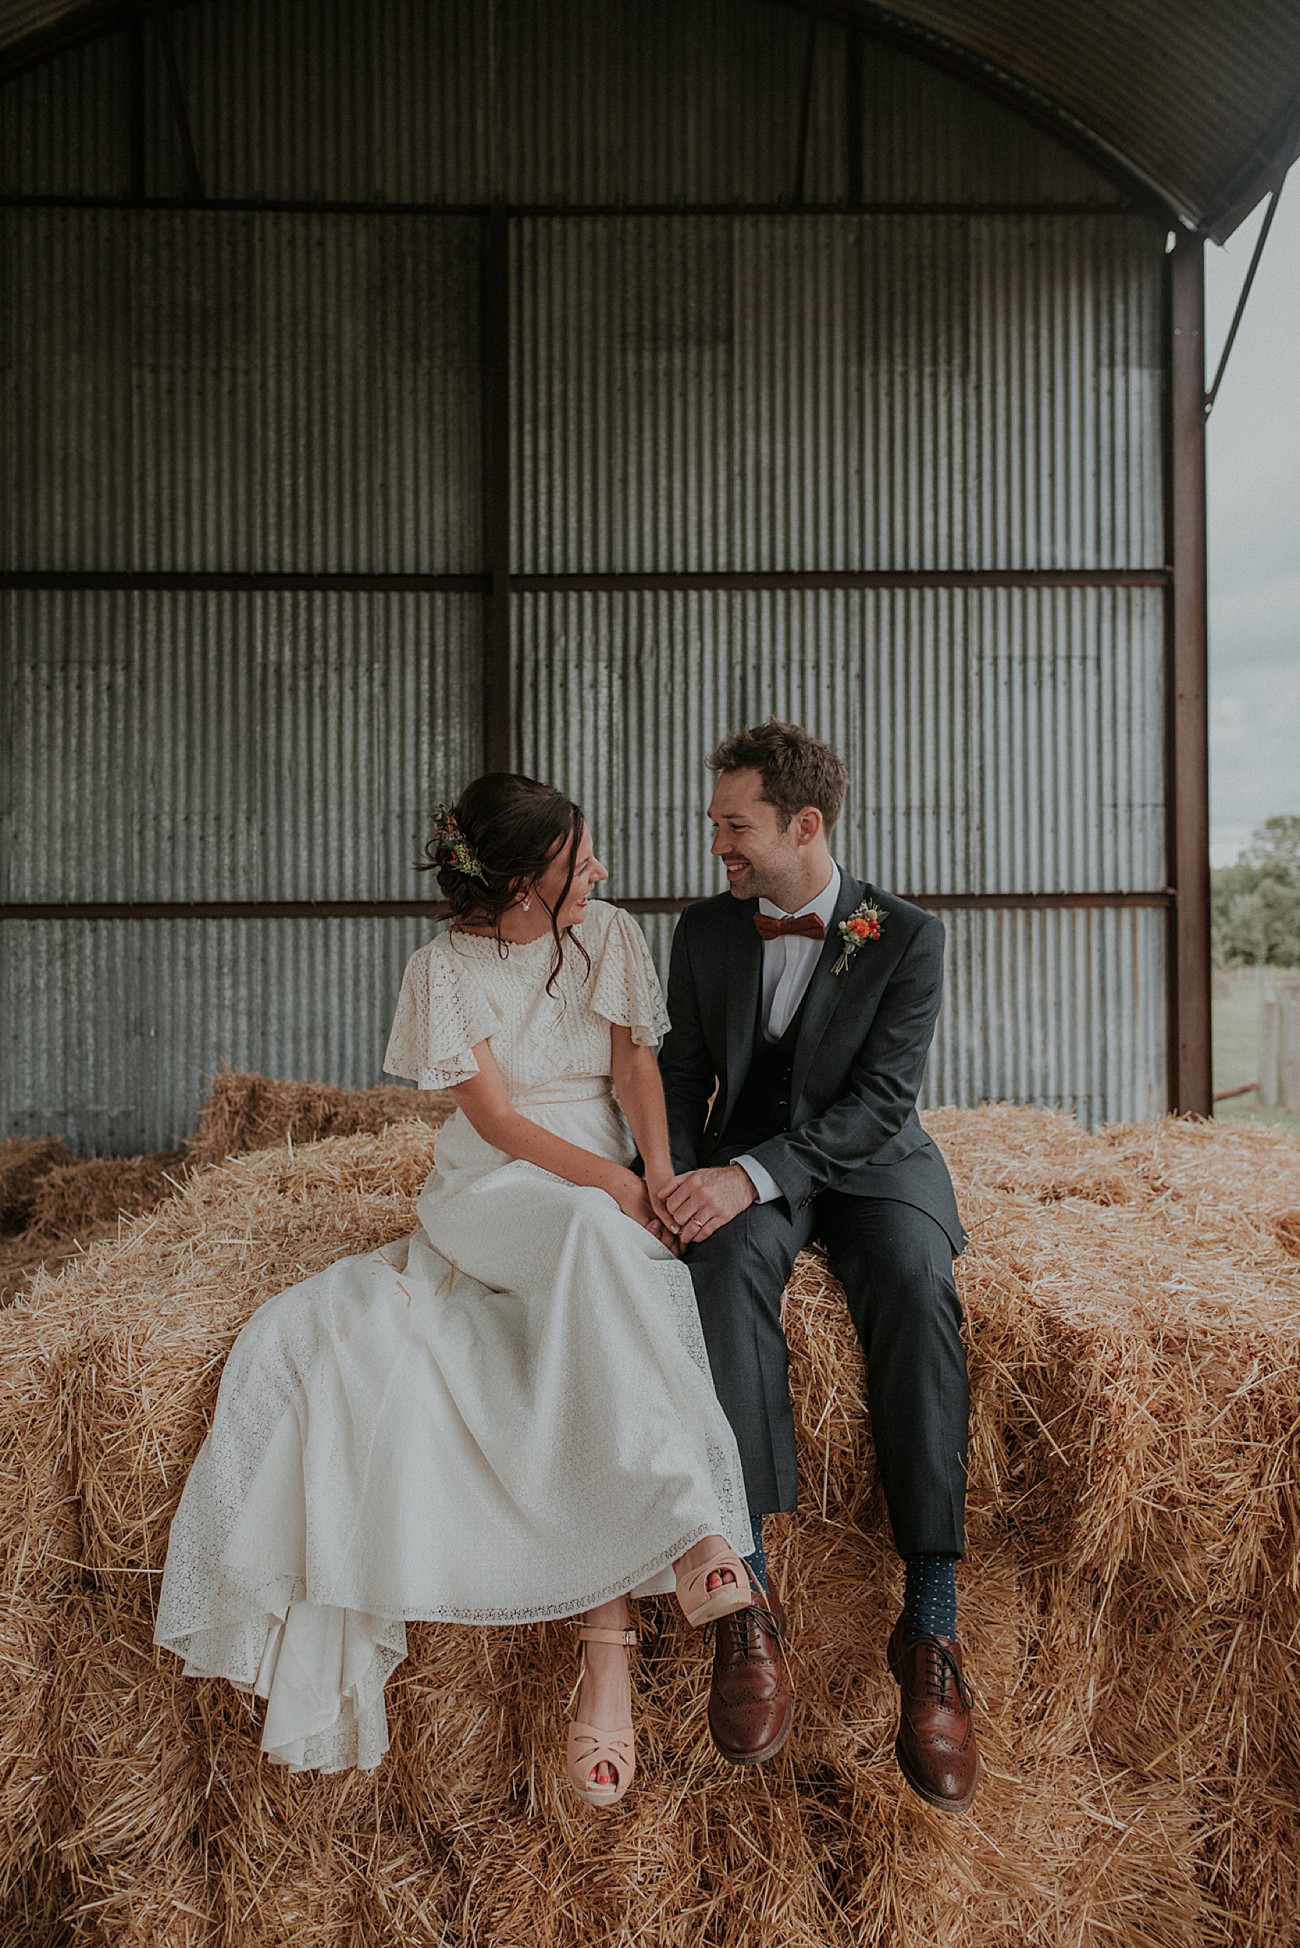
column 487, row 1104
column 641, row 1093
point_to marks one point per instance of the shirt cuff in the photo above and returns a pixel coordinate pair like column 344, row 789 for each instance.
column 764, row 1183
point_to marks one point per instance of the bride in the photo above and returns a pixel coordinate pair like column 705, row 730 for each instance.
column 507, row 1417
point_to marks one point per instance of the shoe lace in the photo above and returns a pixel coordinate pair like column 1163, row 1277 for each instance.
column 941, row 1669
column 750, row 1627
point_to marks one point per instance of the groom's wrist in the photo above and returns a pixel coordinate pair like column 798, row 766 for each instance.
column 766, row 1188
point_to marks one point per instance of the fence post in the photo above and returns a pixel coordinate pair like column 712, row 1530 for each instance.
column 1279, row 1042
column 1289, row 1052
column 1270, row 1052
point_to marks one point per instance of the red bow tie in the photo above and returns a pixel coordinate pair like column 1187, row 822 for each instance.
column 806, row 924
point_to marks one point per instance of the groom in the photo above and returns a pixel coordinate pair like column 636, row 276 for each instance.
column 803, row 1002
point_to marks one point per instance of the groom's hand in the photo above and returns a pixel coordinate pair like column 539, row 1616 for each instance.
column 700, row 1202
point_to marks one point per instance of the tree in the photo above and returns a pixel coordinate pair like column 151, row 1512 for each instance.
column 1255, row 904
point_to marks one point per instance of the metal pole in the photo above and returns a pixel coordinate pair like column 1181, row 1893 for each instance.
column 1238, row 314
column 498, row 714
column 805, row 112
column 1188, row 700
column 180, row 108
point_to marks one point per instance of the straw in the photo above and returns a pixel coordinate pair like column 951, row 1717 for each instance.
column 1130, row 1604
column 253, row 1112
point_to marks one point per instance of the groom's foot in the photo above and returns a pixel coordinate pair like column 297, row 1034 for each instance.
column 750, row 1710
column 935, row 1748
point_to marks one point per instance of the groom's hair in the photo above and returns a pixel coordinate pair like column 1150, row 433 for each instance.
column 796, row 769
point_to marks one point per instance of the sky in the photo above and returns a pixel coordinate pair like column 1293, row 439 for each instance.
column 1254, row 541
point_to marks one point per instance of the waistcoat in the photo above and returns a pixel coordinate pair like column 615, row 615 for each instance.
column 763, row 1106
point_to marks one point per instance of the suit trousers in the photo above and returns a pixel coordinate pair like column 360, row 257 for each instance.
column 895, row 1264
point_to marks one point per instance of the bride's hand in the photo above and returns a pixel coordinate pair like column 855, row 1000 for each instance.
column 633, row 1199
column 655, row 1186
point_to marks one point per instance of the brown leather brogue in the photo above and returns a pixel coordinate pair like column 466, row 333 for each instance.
column 935, row 1747
column 750, row 1709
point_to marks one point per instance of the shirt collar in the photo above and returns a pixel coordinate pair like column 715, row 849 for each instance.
column 823, row 906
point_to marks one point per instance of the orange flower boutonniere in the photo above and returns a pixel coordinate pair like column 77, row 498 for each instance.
column 866, row 922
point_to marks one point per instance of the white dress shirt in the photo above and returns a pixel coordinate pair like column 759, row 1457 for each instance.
column 788, row 963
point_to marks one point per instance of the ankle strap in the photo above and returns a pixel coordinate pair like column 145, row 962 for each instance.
column 586, row 1634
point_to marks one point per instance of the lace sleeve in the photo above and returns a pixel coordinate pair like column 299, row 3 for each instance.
column 439, row 1019
column 625, row 987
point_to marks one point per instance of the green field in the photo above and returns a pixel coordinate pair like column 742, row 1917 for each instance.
column 1235, row 1026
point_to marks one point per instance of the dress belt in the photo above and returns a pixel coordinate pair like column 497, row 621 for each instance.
column 564, row 1089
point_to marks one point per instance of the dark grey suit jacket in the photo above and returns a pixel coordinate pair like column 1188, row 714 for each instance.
column 860, row 1052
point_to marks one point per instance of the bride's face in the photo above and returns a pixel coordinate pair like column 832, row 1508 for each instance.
column 587, row 872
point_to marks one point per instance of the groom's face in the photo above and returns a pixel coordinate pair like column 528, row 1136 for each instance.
column 760, row 856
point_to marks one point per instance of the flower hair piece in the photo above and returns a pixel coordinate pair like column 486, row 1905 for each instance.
column 866, row 922
column 451, row 842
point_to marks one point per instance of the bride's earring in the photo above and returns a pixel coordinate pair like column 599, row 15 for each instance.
column 528, row 902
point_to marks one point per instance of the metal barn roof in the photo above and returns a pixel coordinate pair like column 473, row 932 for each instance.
column 1197, row 102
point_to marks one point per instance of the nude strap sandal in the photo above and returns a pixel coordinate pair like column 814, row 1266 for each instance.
column 700, row 1604
column 588, row 1745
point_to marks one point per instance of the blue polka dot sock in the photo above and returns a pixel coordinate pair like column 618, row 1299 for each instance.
column 757, row 1559
column 930, row 1597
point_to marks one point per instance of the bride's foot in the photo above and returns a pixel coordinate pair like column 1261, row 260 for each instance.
column 600, row 1754
column 712, row 1581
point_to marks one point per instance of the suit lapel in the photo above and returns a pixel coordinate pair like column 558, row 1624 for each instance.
column 825, row 988
column 744, row 965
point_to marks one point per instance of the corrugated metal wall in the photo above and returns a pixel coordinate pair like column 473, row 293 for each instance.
column 238, row 406
column 276, row 747
column 837, row 392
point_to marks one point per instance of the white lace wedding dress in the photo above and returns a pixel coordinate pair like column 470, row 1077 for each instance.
column 505, row 1418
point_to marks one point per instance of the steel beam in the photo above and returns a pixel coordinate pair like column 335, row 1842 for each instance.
column 745, row 581
column 136, row 113
column 209, row 581
column 1188, row 793
column 498, row 717
column 855, row 115
column 499, row 584
column 335, row 206
column 805, row 113
column 437, row 909
column 180, row 107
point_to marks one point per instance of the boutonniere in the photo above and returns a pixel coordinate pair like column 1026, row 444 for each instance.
column 866, row 922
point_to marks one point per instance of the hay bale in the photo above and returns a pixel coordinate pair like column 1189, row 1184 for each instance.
column 255, row 1112
column 1130, row 1610
column 127, row 1780
column 39, row 1549
column 85, row 1198
column 1036, row 1153
column 1237, row 1183
column 1285, row 1226
column 24, row 1160
column 21, row 1260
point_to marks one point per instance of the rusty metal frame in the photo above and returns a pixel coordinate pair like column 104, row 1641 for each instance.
column 342, row 206
column 438, row 909
column 1187, row 793
column 744, row 581
column 499, row 584
column 217, row 581
column 495, row 379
